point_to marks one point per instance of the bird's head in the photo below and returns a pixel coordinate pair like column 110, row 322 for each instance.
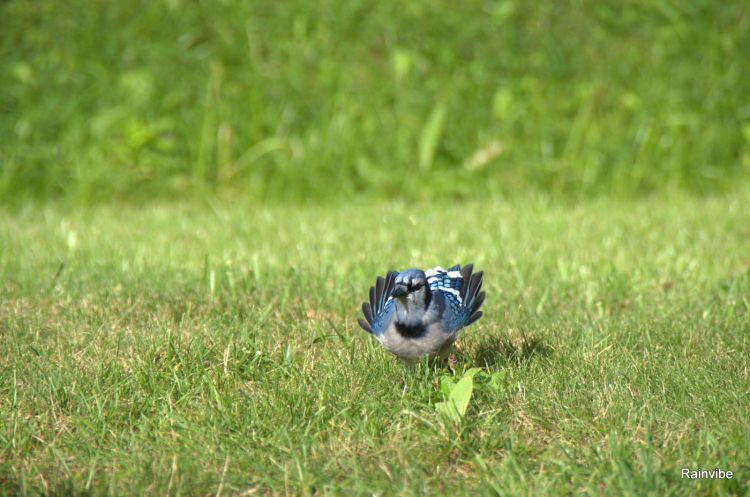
column 411, row 290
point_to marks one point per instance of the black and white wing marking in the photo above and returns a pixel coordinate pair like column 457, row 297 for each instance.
column 379, row 309
column 462, row 291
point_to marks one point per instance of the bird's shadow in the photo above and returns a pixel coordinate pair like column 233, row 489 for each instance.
column 497, row 351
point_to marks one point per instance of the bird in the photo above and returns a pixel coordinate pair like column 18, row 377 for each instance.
column 416, row 313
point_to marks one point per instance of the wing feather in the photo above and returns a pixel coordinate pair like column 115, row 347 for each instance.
column 364, row 325
column 378, row 309
column 379, row 287
column 461, row 288
column 389, row 279
column 479, row 301
column 474, row 286
column 474, row 317
column 367, row 311
column 465, row 276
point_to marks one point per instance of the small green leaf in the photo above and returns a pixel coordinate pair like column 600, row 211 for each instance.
column 402, row 63
column 496, row 381
column 502, row 103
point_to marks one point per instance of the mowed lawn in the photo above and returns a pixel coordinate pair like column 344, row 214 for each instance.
column 178, row 349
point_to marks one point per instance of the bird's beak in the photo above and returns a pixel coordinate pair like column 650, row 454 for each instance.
column 399, row 291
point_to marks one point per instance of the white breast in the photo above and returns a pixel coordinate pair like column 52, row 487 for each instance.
column 435, row 342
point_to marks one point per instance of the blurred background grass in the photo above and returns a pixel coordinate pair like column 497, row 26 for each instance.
column 301, row 100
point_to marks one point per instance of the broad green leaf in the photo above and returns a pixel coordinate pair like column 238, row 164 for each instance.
column 448, row 409
column 472, row 372
column 446, row 384
column 461, row 394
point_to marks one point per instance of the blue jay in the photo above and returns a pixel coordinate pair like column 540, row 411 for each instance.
column 416, row 313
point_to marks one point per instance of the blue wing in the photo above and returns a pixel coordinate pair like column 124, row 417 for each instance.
column 461, row 290
column 379, row 310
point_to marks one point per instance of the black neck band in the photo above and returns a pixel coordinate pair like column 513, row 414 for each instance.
column 410, row 330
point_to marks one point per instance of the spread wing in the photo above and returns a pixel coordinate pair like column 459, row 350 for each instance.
column 379, row 310
column 461, row 288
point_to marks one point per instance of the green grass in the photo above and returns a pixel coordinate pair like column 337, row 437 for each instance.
column 161, row 333
column 313, row 100
column 185, row 350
